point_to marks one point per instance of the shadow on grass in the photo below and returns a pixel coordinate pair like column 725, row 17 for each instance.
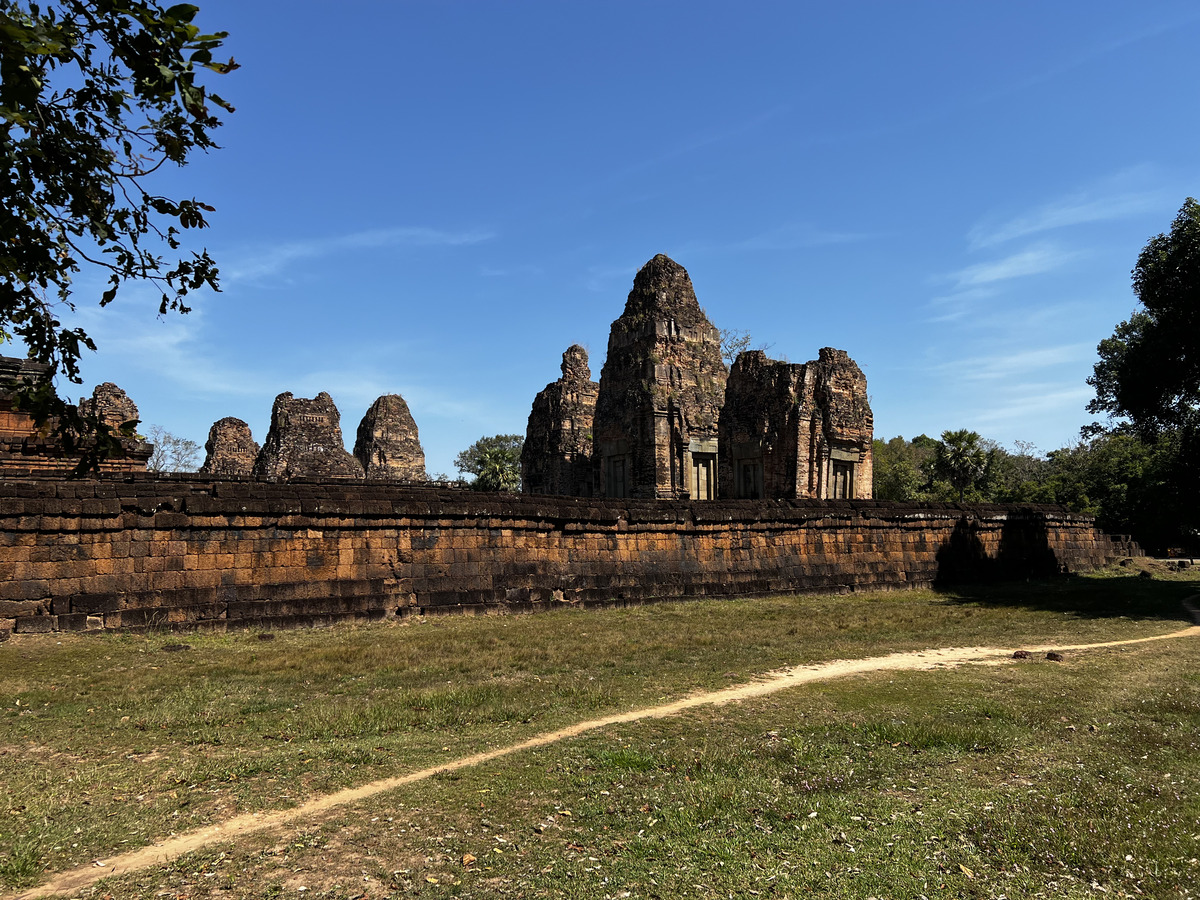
column 1024, row 572
column 1103, row 595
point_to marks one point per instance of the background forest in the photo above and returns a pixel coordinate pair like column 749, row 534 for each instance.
column 1128, row 483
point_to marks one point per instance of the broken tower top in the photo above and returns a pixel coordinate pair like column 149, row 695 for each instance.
column 575, row 364
column 662, row 289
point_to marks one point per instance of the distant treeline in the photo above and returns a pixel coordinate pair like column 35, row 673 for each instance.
column 1132, row 485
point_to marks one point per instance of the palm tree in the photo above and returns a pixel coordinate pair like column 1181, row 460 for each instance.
column 499, row 470
column 960, row 460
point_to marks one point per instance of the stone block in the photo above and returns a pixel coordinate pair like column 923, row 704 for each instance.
column 11, row 609
column 36, row 624
column 73, row 622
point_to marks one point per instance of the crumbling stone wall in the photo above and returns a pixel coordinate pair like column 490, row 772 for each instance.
column 193, row 553
column 27, row 450
column 305, row 440
column 661, row 391
column 796, row 430
column 230, row 450
column 388, row 446
column 556, row 457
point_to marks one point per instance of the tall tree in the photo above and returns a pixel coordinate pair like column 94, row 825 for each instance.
column 961, row 460
column 1149, row 370
column 495, row 462
column 902, row 469
column 95, row 96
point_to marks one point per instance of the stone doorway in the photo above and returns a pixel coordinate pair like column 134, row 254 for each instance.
column 704, row 476
column 843, row 481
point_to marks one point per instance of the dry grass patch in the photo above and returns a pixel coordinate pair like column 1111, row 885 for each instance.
column 112, row 741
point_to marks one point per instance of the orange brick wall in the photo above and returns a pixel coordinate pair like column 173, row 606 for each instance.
column 190, row 553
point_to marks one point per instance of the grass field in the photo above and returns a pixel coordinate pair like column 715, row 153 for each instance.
column 1034, row 778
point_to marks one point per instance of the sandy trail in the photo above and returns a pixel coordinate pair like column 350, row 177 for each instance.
column 74, row 880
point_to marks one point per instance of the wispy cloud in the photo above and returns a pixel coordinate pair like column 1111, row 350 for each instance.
column 1077, row 209
column 273, row 259
column 1032, row 261
column 1029, row 400
column 950, row 307
column 793, row 236
column 1016, row 364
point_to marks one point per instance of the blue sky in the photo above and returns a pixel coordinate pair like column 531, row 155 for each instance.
column 436, row 199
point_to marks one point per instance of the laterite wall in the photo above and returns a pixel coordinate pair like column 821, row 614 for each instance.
column 192, row 553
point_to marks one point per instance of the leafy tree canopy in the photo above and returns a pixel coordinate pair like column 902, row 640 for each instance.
column 1131, row 484
column 494, row 461
column 1149, row 374
column 95, row 96
column 1149, row 370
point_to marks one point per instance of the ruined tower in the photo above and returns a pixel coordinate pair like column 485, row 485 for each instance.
column 557, row 455
column 796, row 430
column 387, row 444
column 26, row 449
column 661, row 392
column 110, row 405
column 230, row 450
column 305, row 439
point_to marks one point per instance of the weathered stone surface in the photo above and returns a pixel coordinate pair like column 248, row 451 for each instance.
column 14, row 370
column 557, row 455
column 305, row 440
column 796, row 430
column 27, row 450
column 388, row 446
column 230, row 449
column 110, row 405
column 246, row 553
column 661, row 392
column 840, row 457
column 760, row 429
column 19, row 439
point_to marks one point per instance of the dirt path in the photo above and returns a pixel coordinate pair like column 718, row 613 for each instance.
column 74, row 880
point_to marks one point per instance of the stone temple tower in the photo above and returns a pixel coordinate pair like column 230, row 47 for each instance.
column 661, row 392
column 796, row 430
column 557, row 455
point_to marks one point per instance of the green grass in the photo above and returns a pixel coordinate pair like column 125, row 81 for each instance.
column 108, row 742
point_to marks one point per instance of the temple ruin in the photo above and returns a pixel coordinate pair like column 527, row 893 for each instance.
column 230, row 450
column 305, row 440
column 557, row 455
column 661, row 391
column 388, row 446
column 666, row 420
column 26, row 449
column 111, row 406
column 670, row 422
column 795, row 430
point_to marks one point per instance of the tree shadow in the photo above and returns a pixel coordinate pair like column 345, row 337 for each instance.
column 1023, row 552
column 1099, row 596
column 1025, row 571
